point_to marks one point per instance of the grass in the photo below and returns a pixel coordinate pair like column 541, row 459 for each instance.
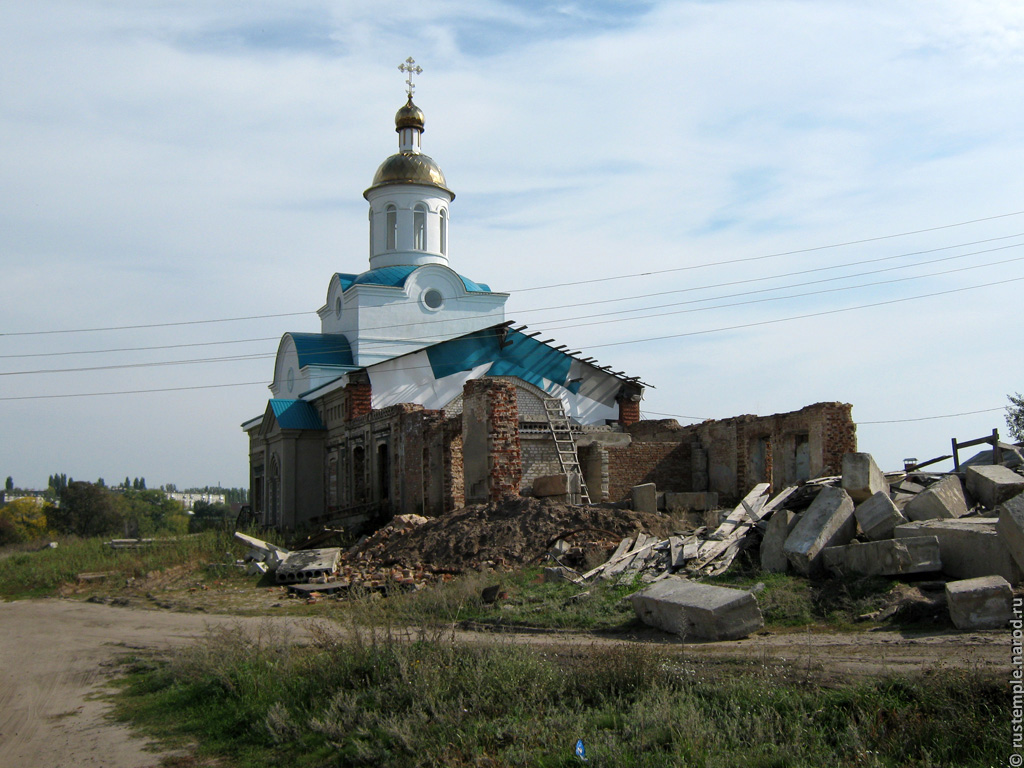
column 365, row 698
column 43, row 572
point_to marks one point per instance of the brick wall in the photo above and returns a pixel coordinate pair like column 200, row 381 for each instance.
column 740, row 451
column 539, row 457
column 358, row 398
column 665, row 464
column 454, row 479
column 491, row 423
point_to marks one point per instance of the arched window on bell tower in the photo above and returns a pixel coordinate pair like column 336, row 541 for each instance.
column 391, row 224
column 444, row 232
column 419, row 227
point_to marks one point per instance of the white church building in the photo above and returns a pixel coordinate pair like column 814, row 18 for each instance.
column 407, row 398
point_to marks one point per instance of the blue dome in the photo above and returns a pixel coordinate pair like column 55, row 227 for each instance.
column 395, row 277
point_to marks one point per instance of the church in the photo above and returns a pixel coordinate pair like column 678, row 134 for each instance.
column 417, row 395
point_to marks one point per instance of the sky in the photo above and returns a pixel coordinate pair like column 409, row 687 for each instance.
column 753, row 206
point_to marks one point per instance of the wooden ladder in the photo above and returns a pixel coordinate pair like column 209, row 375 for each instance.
column 565, row 445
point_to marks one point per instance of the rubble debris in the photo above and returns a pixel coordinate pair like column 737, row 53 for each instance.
column 828, row 522
column 982, row 603
column 877, row 516
column 994, row 484
column 306, row 565
column 969, row 547
column 780, row 525
column 645, row 498
column 889, row 557
column 861, row 477
column 944, row 499
column 1011, row 527
column 692, row 609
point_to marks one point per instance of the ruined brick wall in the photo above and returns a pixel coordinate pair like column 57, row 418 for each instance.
column 629, row 412
column 454, row 479
column 666, row 464
column 492, row 455
column 730, row 456
column 539, row 457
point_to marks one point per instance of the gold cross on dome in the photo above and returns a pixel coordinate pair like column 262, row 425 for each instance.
column 410, row 66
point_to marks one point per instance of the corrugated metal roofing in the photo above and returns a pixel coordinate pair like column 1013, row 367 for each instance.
column 322, row 349
column 296, row 414
column 395, row 277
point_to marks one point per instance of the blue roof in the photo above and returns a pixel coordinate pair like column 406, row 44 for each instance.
column 322, row 349
column 296, row 414
column 395, row 277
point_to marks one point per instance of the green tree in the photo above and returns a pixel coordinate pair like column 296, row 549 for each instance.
column 207, row 515
column 1015, row 416
column 148, row 512
column 9, row 485
column 23, row 520
column 87, row 510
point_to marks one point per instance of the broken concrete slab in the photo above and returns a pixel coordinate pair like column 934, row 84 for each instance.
column 969, row 547
column 306, row 564
column 645, row 498
column 878, row 515
column 861, row 477
column 691, row 609
column 780, row 525
column 828, row 522
column 1011, row 527
column 944, row 499
column 981, row 603
column 992, row 485
column 889, row 557
column 698, row 501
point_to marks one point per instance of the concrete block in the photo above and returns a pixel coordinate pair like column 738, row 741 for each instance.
column 645, row 498
column 553, row 485
column 862, row 478
column 828, row 522
column 944, row 499
column 982, row 603
column 306, row 564
column 969, row 547
column 699, row 501
column 992, row 485
column 1011, row 528
column 780, row 525
column 690, row 609
column 889, row 557
column 877, row 516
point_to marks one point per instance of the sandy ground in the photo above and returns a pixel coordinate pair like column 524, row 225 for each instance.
column 56, row 655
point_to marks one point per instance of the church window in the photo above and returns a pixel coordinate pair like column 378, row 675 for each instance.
column 419, row 227
column 391, row 223
column 371, row 232
column 433, row 299
column 337, row 306
column 291, row 379
column 444, row 232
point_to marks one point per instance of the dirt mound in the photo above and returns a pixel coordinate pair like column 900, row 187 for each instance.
column 504, row 534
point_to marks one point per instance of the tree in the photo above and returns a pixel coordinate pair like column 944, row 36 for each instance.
column 1015, row 416
column 209, row 515
column 9, row 485
column 23, row 520
column 87, row 510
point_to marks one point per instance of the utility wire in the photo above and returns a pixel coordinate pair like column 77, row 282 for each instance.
column 553, row 285
column 546, row 324
column 676, row 335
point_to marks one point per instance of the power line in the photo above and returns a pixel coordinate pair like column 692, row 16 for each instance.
column 546, row 324
column 930, row 418
column 689, row 333
column 578, row 282
column 137, row 391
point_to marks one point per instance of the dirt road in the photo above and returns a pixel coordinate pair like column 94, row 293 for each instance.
column 55, row 654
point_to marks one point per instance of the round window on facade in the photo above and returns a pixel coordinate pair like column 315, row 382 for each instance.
column 433, row 299
column 337, row 307
column 291, row 379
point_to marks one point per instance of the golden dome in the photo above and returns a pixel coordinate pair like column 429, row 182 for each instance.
column 409, row 168
column 409, row 116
